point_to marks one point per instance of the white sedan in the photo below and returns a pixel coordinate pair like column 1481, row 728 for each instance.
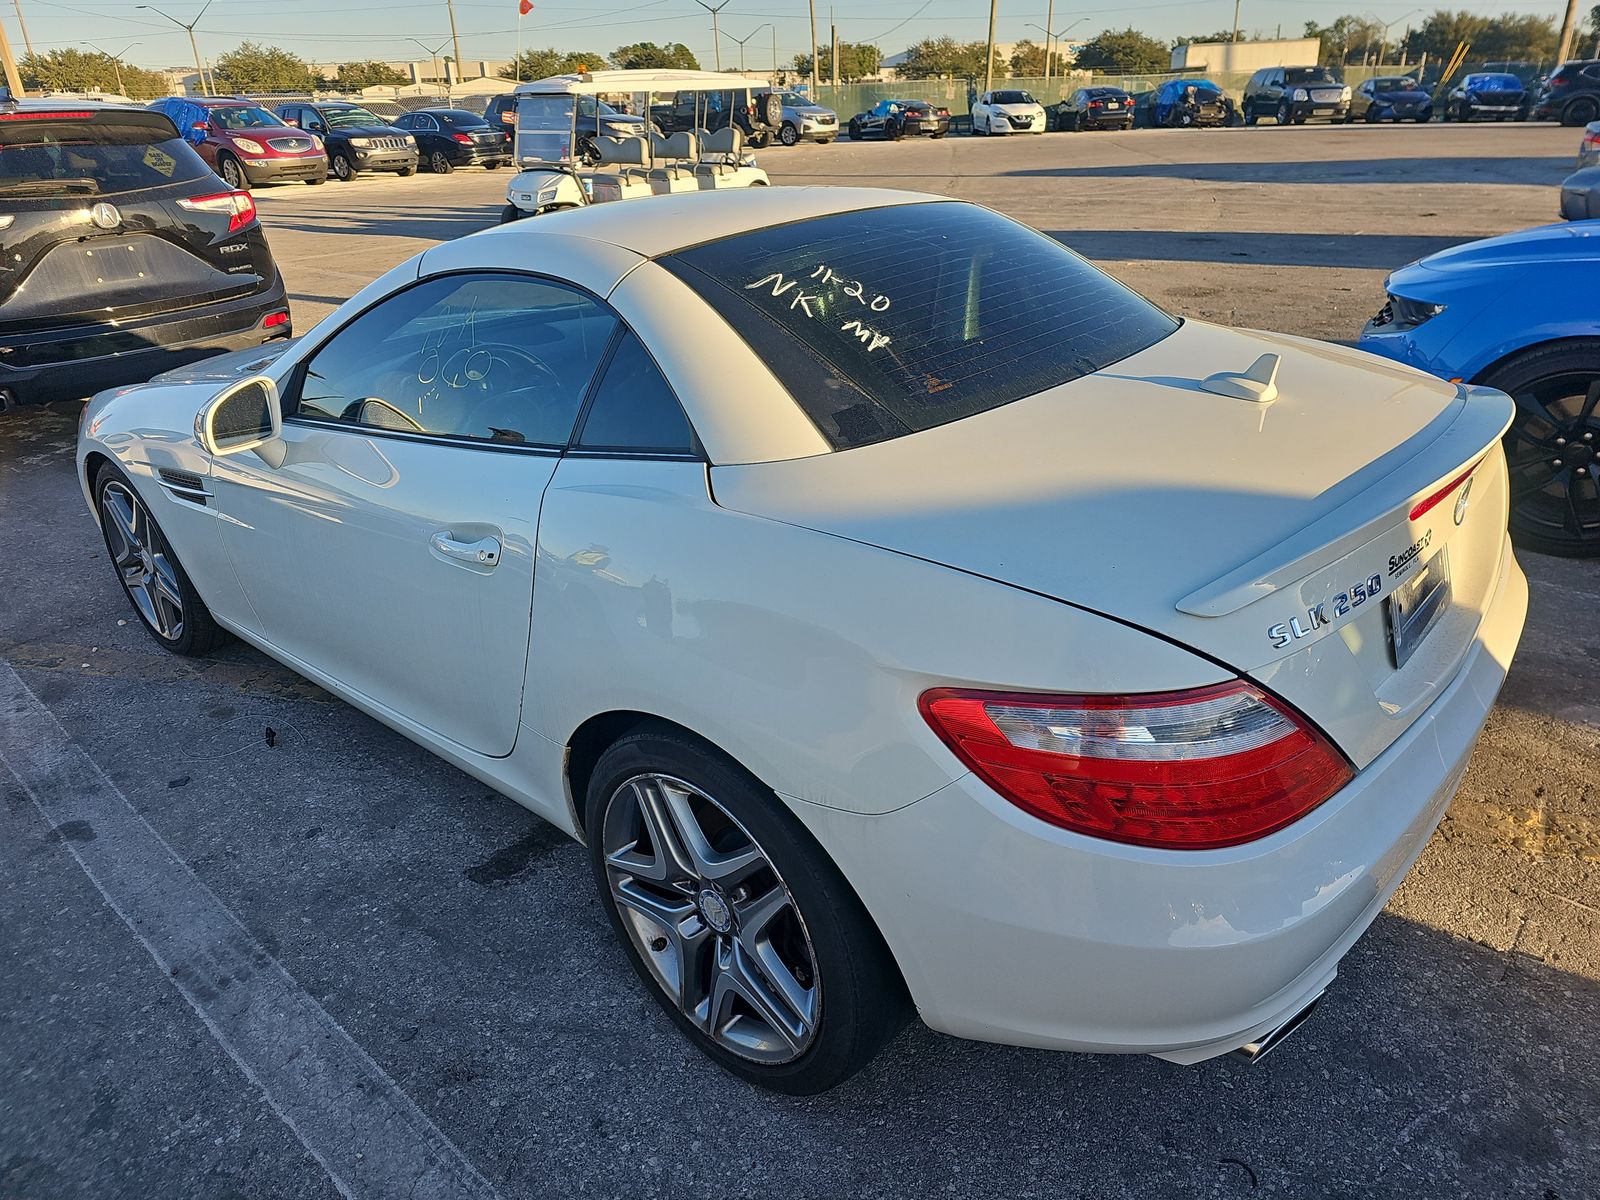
column 903, row 612
column 1007, row 112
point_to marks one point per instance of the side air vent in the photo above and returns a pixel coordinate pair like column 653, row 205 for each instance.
column 185, row 485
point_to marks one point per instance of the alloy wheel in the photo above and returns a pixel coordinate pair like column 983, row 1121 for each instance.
column 141, row 559
column 1553, row 455
column 711, row 919
column 438, row 163
column 231, row 175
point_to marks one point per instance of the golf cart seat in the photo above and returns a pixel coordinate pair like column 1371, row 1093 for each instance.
column 624, row 153
column 674, row 155
column 727, row 144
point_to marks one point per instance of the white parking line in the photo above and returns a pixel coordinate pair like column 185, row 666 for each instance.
column 356, row 1121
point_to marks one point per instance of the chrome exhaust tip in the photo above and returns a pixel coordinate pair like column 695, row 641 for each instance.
column 1257, row 1050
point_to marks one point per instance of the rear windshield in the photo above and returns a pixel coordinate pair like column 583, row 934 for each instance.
column 893, row 320
column 1013, row 98
column 92, row 154
column 458, row 116
column 1309, row 75
column 243, row 117
column 1103, row 92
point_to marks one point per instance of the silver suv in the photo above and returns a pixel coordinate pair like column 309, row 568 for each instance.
column 803, row 119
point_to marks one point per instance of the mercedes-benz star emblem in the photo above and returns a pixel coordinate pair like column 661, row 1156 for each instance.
column 105, row 215
column 1461, row 501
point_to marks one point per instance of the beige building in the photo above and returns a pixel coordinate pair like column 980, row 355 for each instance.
column 1246, row 57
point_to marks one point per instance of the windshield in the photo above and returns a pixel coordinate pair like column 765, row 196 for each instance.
column 796, row 100
column 1394, row 85
column 1501, row 83
column 349, row 118
column 92, row 153
column 1309, row 75
column 241, row 117
column 892, row 320
column 1013, row 98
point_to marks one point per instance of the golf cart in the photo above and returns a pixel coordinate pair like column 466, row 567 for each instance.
column 568, row 154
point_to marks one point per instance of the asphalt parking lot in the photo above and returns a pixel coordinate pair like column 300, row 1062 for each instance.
column 448, row 955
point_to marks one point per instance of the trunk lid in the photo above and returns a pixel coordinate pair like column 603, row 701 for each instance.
column 1199, row 517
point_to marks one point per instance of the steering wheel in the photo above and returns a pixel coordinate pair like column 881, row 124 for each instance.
column 511, row 381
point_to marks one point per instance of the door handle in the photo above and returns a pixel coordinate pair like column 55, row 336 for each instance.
column 485, row 552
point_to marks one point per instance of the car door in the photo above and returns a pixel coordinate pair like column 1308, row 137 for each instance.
column 392, row 546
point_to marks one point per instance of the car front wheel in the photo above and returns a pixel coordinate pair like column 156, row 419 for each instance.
column 152, row 578
column 788, row 134
column 1284, row 113
column 735, row 919
column 232, row 173
column 343, row 169
column 1553, row 447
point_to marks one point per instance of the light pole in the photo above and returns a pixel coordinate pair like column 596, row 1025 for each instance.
column 434, row 54
column 716, row 34
column 116, row 60
column 1050, row 38
column 1383, row 40
column 745, row 39
column 189, row 29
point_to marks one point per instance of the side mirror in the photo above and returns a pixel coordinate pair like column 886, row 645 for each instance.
column 242, row 416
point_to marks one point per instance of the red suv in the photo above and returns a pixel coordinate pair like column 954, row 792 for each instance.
column 246, row 144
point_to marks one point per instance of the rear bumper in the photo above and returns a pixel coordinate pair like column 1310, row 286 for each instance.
column 498, row 153
column 285, row 170
column 935, row 128
column 1027, row 934
column 95, row 359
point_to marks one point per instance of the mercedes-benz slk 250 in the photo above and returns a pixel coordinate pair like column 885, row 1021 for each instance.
column 903, row 612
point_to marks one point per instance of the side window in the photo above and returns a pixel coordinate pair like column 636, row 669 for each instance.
column 427, row 123
column 498, row 358
column 633, row 406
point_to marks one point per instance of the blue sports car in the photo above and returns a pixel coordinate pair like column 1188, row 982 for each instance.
column 1521, row 313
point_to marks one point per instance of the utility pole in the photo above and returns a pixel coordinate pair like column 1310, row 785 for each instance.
column 1049, row 39
column 1568, row 28
column 13, row 80
column 716, row 34
column 774, row 56
column 455, row 38
column 1236, row 20
column 833, row 49
column 813, row 5
column 194, row 46
column 988, row 54
column 27, row 42
column 116, row 60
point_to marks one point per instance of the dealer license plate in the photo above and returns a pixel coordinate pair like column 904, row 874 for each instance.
column 1415, row 607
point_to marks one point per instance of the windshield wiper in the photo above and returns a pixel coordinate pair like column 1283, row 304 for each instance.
column 47, row 187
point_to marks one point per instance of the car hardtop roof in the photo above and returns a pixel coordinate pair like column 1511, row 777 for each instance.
column 592, row 83
column 56, row 104
column 676, row 222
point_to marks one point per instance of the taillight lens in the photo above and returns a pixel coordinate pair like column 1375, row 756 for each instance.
column 241, row 209
column 464, row 139
column 1433, row 498
column 275, row 320
column 1192, row 770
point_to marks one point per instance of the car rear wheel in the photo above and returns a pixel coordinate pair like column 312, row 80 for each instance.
column 1580, row 111
column 439, row 163
column 735, row 919
column 232, row 173
column 152, row 578
column 1553, row 447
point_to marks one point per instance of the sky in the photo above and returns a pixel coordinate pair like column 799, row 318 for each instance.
column 347, row 30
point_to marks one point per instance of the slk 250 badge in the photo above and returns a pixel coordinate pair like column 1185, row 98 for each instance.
column 1329, row 611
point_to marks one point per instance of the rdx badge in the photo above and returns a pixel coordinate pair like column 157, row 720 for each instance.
column 1329, row 611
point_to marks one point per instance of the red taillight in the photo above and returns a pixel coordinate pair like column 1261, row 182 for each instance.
column 1423, row 505
column 46, row 116
column 274, row 320
column 1191, row 770
column 944, row 112
column 462, row 138
column 241, row 209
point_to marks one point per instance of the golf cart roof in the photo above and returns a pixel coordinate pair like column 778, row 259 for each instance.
column 595, row 82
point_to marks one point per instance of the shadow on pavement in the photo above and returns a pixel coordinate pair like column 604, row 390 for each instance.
column 1536, row 171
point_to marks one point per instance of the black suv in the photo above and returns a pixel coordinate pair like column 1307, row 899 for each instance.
column 1295, row 93
column 1572, row 94
column 123, row 254
column 356, row 139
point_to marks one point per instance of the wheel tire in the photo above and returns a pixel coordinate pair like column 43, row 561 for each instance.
column 1080, row 124
column 772, row 110
column 316, row 182
column 1300, row 120
column 1372, row 116
column 1569, row 373
column 788, row 134
column 896, row 130
column 823, row 141
column 854, row 130
column 823, row 933
column 1250, row 115
column 406, row 172
column 936, row 136
column 439, row 163
column 1580, row 111
column 197, row 632
column 492, row 166
column 343, row 169
column 232, row 173
column 1421, row 118
column 1285, row 113
column 511, row 213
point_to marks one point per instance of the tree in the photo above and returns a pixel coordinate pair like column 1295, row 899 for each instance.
column 542, row 64
column 72, row 70
column 1027, row 59
column 353, row 76
column 1348, row 39
column 251, row 67
column 647, row 55
column 1510, row 37
column 1125, row 52
column 1212, row 39
column 856, row 61
column 946, row 58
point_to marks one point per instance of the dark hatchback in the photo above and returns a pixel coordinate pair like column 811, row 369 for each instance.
column 123, row 255
column 1572, row 94
column 448, row 138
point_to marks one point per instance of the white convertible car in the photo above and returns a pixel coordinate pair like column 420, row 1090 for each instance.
column 901, row 611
